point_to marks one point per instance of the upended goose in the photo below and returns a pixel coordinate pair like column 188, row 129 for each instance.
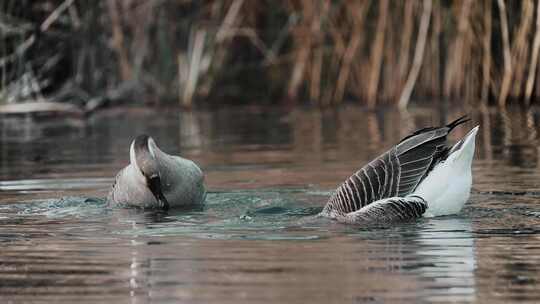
column 157, row 180
column 421, row 176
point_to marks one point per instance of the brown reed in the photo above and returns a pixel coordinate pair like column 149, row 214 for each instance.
column 320, row 52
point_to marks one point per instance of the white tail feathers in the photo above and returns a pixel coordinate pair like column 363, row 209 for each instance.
column 465, row 153
column 448, row 185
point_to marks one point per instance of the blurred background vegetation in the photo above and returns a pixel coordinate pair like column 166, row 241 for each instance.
column 284, row 52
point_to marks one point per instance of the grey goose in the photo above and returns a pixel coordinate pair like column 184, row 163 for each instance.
column 157, row 180
column 420, row 176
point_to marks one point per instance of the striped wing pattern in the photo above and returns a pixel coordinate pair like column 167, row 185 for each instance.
column 376, row 180
column 388, row 210
column 397, row 172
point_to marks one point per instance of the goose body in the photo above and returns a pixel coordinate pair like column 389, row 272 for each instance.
column 420, row 176
column 157, row 180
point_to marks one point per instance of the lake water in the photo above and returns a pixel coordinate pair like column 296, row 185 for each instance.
column 268, row 172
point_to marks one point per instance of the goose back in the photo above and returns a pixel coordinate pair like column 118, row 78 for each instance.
column 181, row 181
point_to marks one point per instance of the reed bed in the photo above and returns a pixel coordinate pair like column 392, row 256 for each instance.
column 323, row 52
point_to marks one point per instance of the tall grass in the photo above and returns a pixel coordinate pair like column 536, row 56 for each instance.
column 320, row 52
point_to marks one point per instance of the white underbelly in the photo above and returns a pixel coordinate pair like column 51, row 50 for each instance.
column 452, row 199
column 446, row 188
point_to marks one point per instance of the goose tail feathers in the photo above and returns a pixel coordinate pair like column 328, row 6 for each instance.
column 463, row 150
column 461, row 120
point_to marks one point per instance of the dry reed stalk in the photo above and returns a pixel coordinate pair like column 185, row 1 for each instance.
column 428, row 80
column 376, row 54
column 317, row 61
column 452, row 78
column 339, row 43
column 358, row 11
column 219, row 48
column 467, row 83
column 301, row 56
column 431, row 74
column 520, row 47
column 118, row 40
column 337, row 47
column 333, row 57
column 534, row 58
column 303, row 42
column 55, row 15
column 406, row 38
column 298, row 72
column 418, row 55
column 507, row 74
column 194, row 68
column 141, row 25
column 471, row 68
column 339, row 33
column 389, row 79
column 358, row 83
column 75, row 18
column 486, row 54
column 440, row 53
column 229, row 22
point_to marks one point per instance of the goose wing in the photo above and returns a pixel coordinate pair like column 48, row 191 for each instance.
column 388, row 210
column 397, row 172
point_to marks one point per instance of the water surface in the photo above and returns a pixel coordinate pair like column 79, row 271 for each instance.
column 268, row 172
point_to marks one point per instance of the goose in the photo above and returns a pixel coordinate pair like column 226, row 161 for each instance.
column 420, row 176
column 157, row 180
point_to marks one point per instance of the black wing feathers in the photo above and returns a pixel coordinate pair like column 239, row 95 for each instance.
column 450, row 126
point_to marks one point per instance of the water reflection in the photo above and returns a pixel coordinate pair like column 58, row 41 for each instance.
column 267, row 171
column 447, row 255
